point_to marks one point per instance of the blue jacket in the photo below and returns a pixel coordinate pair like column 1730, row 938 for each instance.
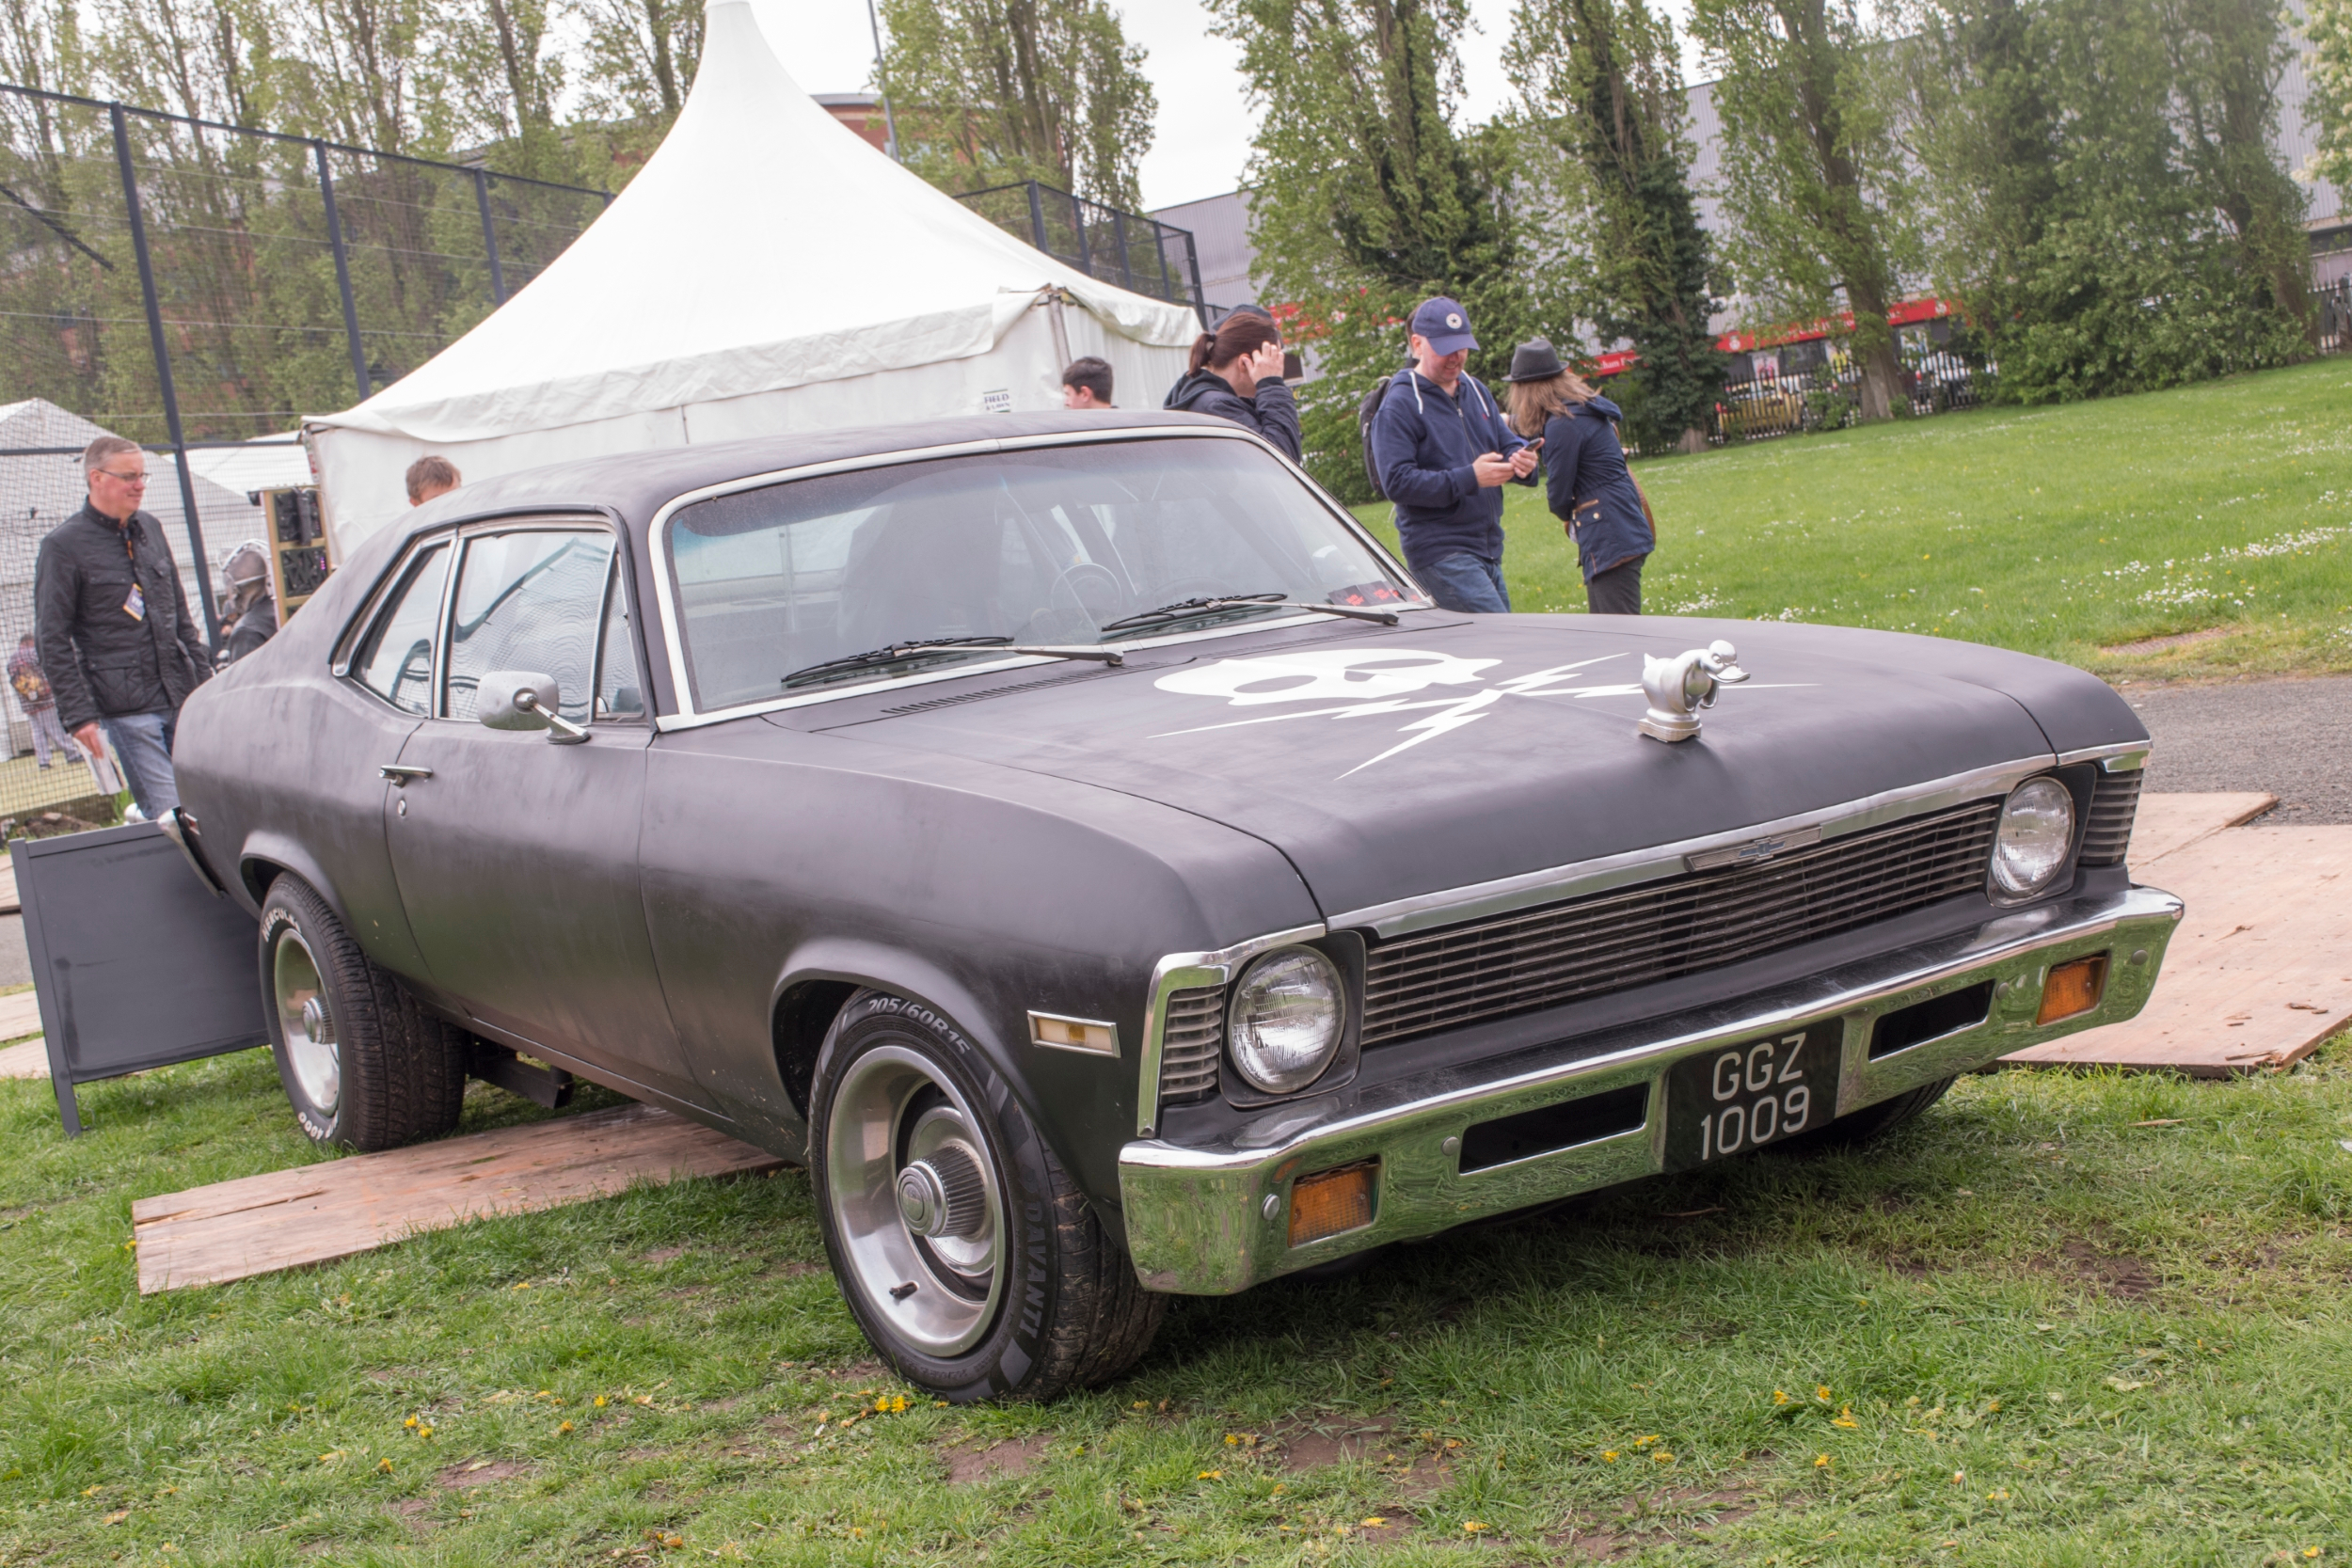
column 1590, row 489
column 1422, row 445
column 1271, row 411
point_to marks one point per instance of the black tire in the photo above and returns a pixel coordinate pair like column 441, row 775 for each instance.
column 1872, row 1123
column 1019, row 1293
column 364, row 1064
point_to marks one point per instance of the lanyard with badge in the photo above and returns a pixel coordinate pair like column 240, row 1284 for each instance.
column 136, row 605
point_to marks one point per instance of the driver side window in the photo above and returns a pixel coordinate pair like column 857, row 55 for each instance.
column 396, row 661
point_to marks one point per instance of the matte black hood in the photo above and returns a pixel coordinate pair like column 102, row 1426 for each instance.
column 1445, row 753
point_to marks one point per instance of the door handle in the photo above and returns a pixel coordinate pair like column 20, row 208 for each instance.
column 401, row 772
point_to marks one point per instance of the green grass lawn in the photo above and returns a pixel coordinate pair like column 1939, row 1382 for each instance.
column 2063, row 1320
column 2060, row 531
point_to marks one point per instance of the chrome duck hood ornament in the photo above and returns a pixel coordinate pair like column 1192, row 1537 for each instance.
column 1677, row 688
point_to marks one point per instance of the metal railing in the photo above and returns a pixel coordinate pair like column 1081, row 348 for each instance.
column 1136, row 252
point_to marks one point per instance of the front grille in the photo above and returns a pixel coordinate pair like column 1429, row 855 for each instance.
column 1191, row 1040
column 1521, row 964
column 2114, row 804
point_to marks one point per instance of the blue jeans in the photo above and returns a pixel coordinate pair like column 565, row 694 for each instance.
column 1463, row 581
column 143, row 741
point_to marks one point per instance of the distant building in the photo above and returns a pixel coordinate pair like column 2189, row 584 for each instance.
column 862, row 112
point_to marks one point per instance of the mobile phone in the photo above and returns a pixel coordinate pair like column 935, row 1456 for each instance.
column 1293, row 366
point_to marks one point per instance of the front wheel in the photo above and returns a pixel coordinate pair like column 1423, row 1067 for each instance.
column 966, row 1254
column 364, row 1065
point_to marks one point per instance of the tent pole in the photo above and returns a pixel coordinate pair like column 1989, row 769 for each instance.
column 1061, row 328
column 890, row 121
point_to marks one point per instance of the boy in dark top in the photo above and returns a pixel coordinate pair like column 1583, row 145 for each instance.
column 1443, row 453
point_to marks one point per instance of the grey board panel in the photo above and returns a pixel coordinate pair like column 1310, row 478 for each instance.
column 138, row 963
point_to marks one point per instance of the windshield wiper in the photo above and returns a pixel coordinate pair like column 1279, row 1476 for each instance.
column 1182, row 609
column 898, row 651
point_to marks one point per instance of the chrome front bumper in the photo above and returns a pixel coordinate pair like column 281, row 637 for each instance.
column 1210, row 1221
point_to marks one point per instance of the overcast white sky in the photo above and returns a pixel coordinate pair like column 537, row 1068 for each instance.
column 1204, row 125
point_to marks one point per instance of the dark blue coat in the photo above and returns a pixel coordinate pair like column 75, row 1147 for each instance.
column 1271, row 411
column 1422, row 445
column 1590, row 489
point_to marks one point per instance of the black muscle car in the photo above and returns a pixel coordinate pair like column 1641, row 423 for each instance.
column 1092, row 853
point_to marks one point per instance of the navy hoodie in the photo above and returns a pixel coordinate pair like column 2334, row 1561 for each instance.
column 1271, row 411
column 1592, row 490
column 1422, row 445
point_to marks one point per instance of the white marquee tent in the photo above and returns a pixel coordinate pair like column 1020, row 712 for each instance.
column 767, row 271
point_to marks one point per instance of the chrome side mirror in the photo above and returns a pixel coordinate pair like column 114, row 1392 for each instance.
column 525, row 700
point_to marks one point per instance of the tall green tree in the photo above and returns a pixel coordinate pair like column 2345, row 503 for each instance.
column 1604, row 78
column 1814, row 182
column 1365, row 198
column 989, row 91
column 2228, row 57
column 640, row 58
column 2088, row 237
column 2328, row 67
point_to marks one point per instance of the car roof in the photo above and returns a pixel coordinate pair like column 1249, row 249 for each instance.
column 636, row 485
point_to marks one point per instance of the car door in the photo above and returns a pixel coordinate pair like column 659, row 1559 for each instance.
column 517, row 858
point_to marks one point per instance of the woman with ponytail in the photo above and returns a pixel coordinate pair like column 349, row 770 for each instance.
column 1590, row 489
column 1236, row 374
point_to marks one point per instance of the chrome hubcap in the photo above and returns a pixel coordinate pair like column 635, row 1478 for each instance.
column 308, row 1023
column 915, row 1201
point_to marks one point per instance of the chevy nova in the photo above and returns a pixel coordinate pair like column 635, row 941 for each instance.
column 1089, row 851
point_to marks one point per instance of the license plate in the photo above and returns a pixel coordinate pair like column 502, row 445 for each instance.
column 1726, row 1102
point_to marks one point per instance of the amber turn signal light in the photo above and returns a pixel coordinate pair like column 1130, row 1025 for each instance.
column 2072, row 988
column 1331, row 1201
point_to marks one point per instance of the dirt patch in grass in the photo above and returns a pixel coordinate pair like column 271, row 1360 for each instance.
column 1013, row 1456
column 2178, row 639
column 1310, row 1446
column 659, row 1255
column 1637, row 1522
column 481, row 1472
column 2125, row 1278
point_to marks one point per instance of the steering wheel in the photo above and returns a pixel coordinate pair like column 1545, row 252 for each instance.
column 1082, row 598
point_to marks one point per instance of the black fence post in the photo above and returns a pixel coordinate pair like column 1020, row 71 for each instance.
column 1119, row 238
column 343, row 270
column 1200, row 295
column 161, row 351
column 489, row 237
column 1078, row 227
column 1159, row 248
column 1037, row 219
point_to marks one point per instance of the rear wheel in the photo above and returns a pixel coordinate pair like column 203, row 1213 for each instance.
column 365, row 1066
column 965, row 1252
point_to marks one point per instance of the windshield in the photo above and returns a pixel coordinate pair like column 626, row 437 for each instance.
column 1052, row 545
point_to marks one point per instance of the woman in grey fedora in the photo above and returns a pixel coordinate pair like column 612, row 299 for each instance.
column 1590, row 489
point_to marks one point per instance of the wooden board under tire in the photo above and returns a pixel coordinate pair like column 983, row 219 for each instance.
column 2261, row 970
column 2170, row 822
column 315, row 1213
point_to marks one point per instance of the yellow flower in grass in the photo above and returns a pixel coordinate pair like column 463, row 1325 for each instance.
column 1608, row 1456
column 2000, row 1496
column 1821, row 1461
column 1780, row 1396
column 1844, row 1419
column 1663, row 1457
column 1646, row 1442
column 1821, row 1392
column 1473, row 1527
column 1210, row 1475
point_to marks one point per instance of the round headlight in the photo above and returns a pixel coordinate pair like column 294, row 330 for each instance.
column 2037, row 829
column 1287, row 1017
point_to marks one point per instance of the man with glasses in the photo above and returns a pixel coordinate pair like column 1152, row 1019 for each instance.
column 112, row 625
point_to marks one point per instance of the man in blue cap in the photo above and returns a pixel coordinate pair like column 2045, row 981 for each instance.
column 1444, row 451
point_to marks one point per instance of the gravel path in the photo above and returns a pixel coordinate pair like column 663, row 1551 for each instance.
column 2292, row 737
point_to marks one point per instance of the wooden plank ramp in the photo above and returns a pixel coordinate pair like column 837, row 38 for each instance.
column 2260, row 972
column 319, row 1212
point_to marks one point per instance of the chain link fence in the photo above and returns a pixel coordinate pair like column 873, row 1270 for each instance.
column 1138, row 253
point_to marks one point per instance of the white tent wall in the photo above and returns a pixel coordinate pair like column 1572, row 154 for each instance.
column 767, row 272
column 1022, row 372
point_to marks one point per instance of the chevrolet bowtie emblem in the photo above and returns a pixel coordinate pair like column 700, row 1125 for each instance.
column 1755, row 851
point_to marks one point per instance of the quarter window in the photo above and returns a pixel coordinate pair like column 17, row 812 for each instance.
column 529, row 600
column 620, row 690
column 396, row 661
